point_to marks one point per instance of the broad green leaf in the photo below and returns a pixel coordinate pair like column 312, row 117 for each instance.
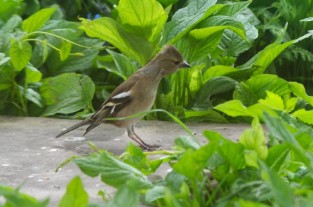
column 191, row 163
column 65, row 50
column 234, row 45
column 250, row 91
column 186, row 18
column 20, row 53
column 75, row 194
column 291, row 103
column 217, row 70
column 7, row 76
column 142, row 17
column 277, row 156
column 280, row 189
column 112, row 171
column 265, row 57
column 232, row 8
column 31, row 95
column 125, row 194
column 155, row 193
column 124, row 66
column 233, row 153
column 7, row 30
column 212, row 87
column 32, row 74
column 304, row 115
column 273, row 101
column 234, row 108
column 299, row 90
column 135, row 157
column 37, row 20
column 129, row 44
column 254, row 142
column 75, row 63
column 15, row 198
column 67, row 93
column 205, row 40
column 9, row 8
column 228, row 71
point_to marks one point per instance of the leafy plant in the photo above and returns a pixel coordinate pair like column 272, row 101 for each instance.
column 28, row 49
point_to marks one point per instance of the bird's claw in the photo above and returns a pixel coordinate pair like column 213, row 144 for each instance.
column 148, row 147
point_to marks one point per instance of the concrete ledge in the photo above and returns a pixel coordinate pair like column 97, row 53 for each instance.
column 29, row 153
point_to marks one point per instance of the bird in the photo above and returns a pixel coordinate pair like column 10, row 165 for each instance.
column 135, row 95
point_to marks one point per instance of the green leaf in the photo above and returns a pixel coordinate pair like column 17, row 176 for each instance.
column 191, row 163
column 112, row 171
column 67, row 93
column 304, row 115
column 15, row 198
column 31, row 95
column 233, row 44
column 9, row 8
column 250, row 91
column 125, row 67
column 75, row 194
column 232, row 8
column 65, row 50
column 281, row 190
column 155, row 193
column 203, row 41
column 276, row 127
column 212, row 87
column 7, row 76
column 135, row 157
column 32, row 74
column 37, row 20
column 265, row 57
column 277, row 155
column 75, row 63
column 129, row 44
column 234, row 108
column 299, row 90
column 255, row 144
column 273, row 101
column 142, row 17
column 20, row 53
column 126, row 193
column 186, row 18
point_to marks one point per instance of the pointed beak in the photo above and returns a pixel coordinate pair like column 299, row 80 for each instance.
column 185, row 65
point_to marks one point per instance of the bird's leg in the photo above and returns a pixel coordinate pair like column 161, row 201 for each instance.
column 136, row 138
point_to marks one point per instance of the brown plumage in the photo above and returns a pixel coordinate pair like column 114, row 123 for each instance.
column 135, row 95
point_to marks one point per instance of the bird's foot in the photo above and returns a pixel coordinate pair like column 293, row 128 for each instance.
column 148, row 147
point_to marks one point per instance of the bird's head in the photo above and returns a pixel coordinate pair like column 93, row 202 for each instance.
column 170, row 60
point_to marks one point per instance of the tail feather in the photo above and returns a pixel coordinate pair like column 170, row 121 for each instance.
column 82, row 123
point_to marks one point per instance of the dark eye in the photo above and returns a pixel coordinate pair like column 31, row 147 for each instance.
column 176, row 62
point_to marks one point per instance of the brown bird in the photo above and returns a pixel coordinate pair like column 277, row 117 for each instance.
column 135, row 95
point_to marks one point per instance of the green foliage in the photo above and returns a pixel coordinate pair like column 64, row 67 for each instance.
column 15, row 198
column 75, row 194
column 27, row 49
column 252, row 172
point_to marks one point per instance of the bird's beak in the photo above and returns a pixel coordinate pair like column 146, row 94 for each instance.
column 185, row 65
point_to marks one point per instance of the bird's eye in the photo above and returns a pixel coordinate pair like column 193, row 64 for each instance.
column 176, row 62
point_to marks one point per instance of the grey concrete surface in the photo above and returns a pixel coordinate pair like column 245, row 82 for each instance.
column 29, row 153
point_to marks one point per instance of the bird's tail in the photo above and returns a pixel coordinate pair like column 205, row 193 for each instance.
column 82, row 123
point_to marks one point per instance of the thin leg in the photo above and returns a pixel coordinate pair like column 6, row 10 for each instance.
column 131, row 134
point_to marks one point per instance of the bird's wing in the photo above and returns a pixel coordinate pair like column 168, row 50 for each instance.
column 119, row 98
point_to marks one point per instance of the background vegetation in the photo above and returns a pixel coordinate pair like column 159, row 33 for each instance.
column 251, row 61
